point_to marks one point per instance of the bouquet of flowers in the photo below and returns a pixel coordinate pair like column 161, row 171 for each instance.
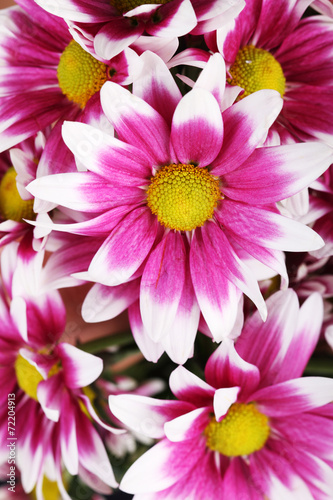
column 166, row 233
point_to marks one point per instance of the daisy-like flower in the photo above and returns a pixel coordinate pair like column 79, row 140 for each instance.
column 18, row 168
column 268, row 46
column 46, row 379
column 45, row 75
column 253, row 429
column 114, row 25
column 178, row 191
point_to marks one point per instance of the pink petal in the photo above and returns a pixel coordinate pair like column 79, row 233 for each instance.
column 304, row 339
column 188, row 387
column 277, row 172
column 294, row 396
column 82, row 191
column 105, row 155
column 264, row 227
column 179, row 343
column 227, row 262
column 151, row 350
column 225, row 368
column 265, row 345
column 136, row 122
column 125, row 249
column 187, row 426
column 116, row 36
column 162, row 466
column 162, row 284
column 246, row 122
column 217, row 297
column 146, row 415
column 104, row 302
column 197, row 128
column 156, row 86
column 176, row 18
column 68, row 437
column 80, row 368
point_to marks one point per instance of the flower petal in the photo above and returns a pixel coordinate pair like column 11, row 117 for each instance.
column 136, row 122
column 162, row 284
column 79, row 368
column 294, row 396
column 197, row 128
column 125, row 249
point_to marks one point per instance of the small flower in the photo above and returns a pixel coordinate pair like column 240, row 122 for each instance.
column 253, row 429
column 113, row 25
column 270, row 46
column 54, row 416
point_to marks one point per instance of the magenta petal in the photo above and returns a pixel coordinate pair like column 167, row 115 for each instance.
column 266, row 344
column 274, row 173
column 80, row 368
column 162, row 284
column 246, row 125
column 68, row 437
column 294, row 396
column 188, row 387
column 116, row 36
column 176, row 18
column 225, row 368
column 146, row 415
column 238, row 482
column 197, row 128
column 187, row 426
column 304, row 339
column 179, row 343
column 125, row 249
column 136, row 123
column 227, row 262
column 217, row 297
column 162, row 466
column 105, row 302
column 105, row 155
column 92, row 452
column 157, row 86
column 151, row 350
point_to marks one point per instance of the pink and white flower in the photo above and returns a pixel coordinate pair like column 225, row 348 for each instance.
column 46, row 380
column 185, row 263
column 108, row 27
column 48, row 76
column 287, row 53
column 253, row 429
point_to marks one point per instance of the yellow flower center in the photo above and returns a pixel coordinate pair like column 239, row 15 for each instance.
column 50, row 490
column 11, row 204
column 127, row 5
column 80, row 75
column 242, row 431
column 256, row 69
column 28, row 377
column 183, row 196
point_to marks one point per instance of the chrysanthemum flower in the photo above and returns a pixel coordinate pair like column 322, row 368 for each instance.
column 18, row 167
column 44, row 74
column 46, row 379
column 268, row 46
column 179, row 191
column 253, row 429
column 114, row 25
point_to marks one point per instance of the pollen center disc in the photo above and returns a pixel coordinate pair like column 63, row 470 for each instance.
column 256, row 69
column 183, row 196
